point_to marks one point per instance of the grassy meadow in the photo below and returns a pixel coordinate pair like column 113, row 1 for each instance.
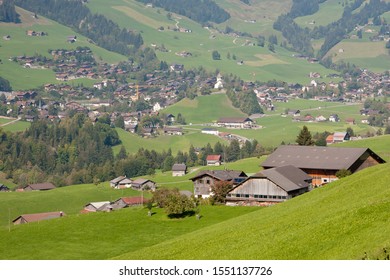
column 21, row 44
column 327, row 223
column 259, row 63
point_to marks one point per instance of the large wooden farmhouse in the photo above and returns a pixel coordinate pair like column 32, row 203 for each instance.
column 322, row 163
column 271, row 185
column 207, row 178
column 235, row 122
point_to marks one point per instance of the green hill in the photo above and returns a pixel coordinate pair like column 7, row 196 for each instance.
column 342, row 220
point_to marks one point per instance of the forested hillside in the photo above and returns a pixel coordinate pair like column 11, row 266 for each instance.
column 8, row 12
column 200, row 11
column 98, row 28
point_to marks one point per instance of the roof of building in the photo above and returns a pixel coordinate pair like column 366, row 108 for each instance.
column 40, row 186
column 117, row 180
column 315, row 157
column 234, row 120
column 213, row 157
column 133, row 200
column 222, row 175
column 125, row 181
column 179, row 167
column 141, row 181
column 340, row 135
column 99, row 204
column 40, row 216
column 287, row 177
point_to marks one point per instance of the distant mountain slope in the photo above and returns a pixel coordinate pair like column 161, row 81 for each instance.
column 342, row 220
column 199, row 11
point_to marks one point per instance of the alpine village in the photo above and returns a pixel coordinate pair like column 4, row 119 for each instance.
column 137, row 126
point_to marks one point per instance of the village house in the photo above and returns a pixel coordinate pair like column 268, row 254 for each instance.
column 124, row 202
column 271, row 185
column 170, row 130
column 214, row 160
column 97, row 206
column 179, row 169
column 28, row 218
column 143, row 184
column 205, row 179
column 334, row 118
column 239, row 122
column 322, row 163
column 121, row 182
column 39, row 187
column 341, row 137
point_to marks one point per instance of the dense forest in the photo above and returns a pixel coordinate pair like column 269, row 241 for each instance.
column 201, row 11
column 98, row 28
column 8, row 12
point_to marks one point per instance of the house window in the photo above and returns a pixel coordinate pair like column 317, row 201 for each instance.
column 247, row 195
column 208, row 182
column 201, row 181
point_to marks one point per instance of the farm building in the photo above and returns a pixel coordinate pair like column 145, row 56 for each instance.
column 179, row 169
column 28, row 218
column 235, row 122
column 39, row 187
column 271, row 185
column 97, row 206
column 170, row 130
column 128, row 201
column 143, row 184
column 322, row 163
column 114, row 183
column 214, row 160
column 207, row 178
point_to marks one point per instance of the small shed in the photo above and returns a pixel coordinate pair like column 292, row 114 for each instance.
column 39, row 187
column 128, row 201
column 179, row 169
column 213, row 160
column 28, row 218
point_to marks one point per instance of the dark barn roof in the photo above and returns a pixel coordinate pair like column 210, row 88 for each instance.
column 179, row 167
column 314, row 157
column 222, row 175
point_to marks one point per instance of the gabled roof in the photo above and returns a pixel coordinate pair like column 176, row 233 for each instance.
column 28, row 218
column 222, row 175
column 234, row 120
column 117, row 180
column 141, row 181
column 132, row 200
column 99, row 204
column 315, row 157
column 179, row 167
column 41, row 186
column 125, row 181
column 287, row 177
column 213, row 157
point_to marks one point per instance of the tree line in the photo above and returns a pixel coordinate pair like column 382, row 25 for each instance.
column 104, row 32
column 199, row 11
column 8, row 12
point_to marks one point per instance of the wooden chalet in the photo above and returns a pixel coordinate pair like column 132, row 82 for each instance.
column 214, row 160
column 39, row 187
column 28, row 218
column 204, row 180
column 97, row 206
column 235, row 122
column 143, row 184
column 271, row 185
column 121, row 182
column 179, row 169
column 128, row 201
column 322, row 163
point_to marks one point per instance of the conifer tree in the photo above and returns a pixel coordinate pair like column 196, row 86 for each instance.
column 304, row 138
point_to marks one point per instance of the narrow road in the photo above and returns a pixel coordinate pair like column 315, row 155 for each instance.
column 11, row 122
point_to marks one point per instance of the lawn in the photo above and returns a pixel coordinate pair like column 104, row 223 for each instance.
column 328, row 223
column 104, row 235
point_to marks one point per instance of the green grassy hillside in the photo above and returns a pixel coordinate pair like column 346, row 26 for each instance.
column 339, row 221
column 104, row 235
column 21, row 44
column 259, row 63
